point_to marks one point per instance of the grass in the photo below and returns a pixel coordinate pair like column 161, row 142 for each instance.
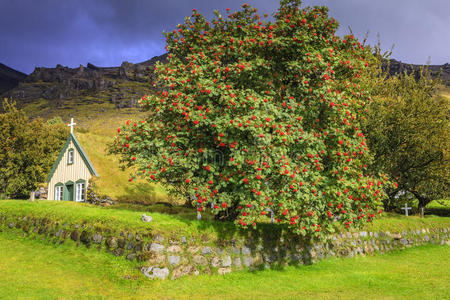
column 94, row 135
column 120, row 219
column 31, row 269
column 181, row 222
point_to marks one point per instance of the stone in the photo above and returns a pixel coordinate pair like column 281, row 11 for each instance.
column 396, row 236
column 226, row 261
column 97, row 238
column 193, row 249
column 58, row 233
column 111, row 242
column 236, row 250
column 183, row 240
column 85, row 237
column 206, row 250
column 75, row 235
column 130, row 245
column 246, row 250
column 404, row 241
column 121, row 243
column 156, row 258
column 118, row 252
column 131, row 256
column 248, row 260
column 182, row 271
column 146, row 218
column 159, row 238
column 200, row 260
column 223, row 271
column 173, row 259
column 237, row 262
column 156, row 247
column 294, row 257
column 215, row 261
column 363, row 234
column 147, row 271
column 174, row 249
column 157, row 273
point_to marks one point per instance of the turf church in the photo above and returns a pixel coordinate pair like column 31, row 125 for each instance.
column 71, row 172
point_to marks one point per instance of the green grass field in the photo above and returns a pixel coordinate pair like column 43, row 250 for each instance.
column 30, row 269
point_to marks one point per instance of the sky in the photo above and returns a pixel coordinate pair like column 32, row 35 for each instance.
column 44, row 33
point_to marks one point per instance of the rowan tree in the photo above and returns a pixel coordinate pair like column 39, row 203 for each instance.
column 253, row 115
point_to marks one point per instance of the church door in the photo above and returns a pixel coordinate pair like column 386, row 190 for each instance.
column 69, row 195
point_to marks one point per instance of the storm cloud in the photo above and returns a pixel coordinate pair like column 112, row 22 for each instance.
column 107, row 32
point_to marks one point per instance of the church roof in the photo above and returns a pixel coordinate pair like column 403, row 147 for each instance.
column 80, row 150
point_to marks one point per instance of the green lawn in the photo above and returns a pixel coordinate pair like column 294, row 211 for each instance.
column 184, row 222
column 30, row 269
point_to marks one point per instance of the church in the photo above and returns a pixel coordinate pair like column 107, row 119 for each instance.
column 71, row 172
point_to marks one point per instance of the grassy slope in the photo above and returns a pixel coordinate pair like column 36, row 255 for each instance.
column 96, row 127
column 32, row 270
column 181, row 224
column 97, row 124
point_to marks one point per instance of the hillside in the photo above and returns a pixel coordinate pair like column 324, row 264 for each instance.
column 66, row 88
column 9, row 78
column 101, row 99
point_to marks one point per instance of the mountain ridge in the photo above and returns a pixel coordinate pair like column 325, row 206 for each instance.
column 121, row 86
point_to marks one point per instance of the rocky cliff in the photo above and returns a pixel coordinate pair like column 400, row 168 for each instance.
column 121, row 85
column 396, row 67
column 64, row 87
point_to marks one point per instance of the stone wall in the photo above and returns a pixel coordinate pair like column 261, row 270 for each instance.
column 172, row 257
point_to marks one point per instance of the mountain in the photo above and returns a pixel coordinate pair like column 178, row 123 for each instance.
column 9, row 78
column 63, row 86
column 397, row 67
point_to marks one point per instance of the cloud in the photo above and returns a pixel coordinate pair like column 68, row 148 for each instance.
column 107, row 32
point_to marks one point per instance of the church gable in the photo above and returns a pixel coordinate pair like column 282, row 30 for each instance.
column 72, row 160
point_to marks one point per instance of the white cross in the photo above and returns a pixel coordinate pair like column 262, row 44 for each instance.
column 71, row 125
column 406, row 208
column 271, row 214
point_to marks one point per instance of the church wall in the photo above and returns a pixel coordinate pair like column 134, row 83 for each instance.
column 64, row 172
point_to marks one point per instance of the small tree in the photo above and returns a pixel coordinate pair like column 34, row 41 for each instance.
column 254, row 116
column 407, row 129
column 27, row 150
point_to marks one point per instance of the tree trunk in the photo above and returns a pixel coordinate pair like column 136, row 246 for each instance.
column 423, row 201
column 388, row 204
column 230, row 214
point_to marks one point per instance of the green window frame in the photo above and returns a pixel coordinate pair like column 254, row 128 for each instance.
column 70, row 156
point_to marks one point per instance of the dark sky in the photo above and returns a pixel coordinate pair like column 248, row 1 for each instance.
column 107, row 32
